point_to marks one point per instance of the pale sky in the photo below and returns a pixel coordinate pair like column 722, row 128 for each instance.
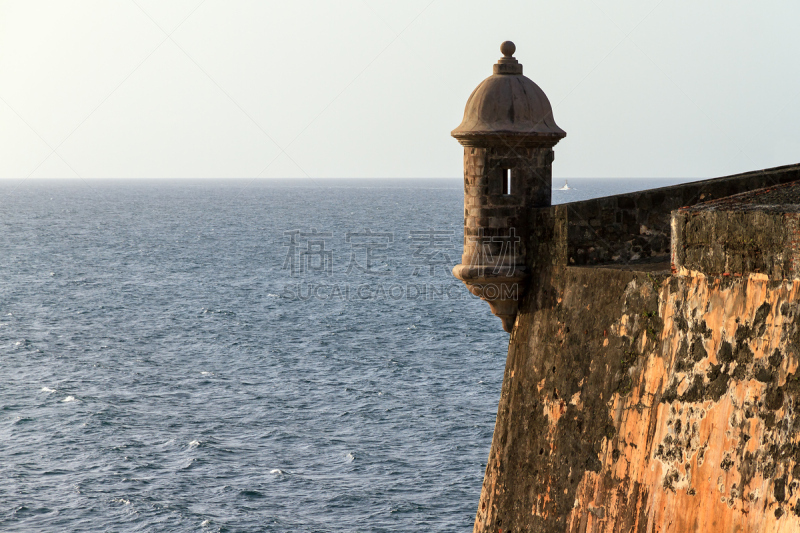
column 366, row 88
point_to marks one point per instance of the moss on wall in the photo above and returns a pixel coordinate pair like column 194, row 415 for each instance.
column 648, row 402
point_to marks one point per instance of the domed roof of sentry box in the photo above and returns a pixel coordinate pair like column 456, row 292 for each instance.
column 508, row 104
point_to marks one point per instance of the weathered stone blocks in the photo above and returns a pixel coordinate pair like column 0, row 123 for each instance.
column 742, row 234
column 641, row 402
column 656, row 401
column 609, row 224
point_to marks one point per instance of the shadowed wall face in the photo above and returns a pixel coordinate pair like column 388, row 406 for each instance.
column 756, row 231
column 634, row 226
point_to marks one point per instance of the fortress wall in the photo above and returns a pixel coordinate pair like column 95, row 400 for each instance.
column 757, row 231
column 636, row 225
column 636, row 398
column 641, row 402
column 758, row 239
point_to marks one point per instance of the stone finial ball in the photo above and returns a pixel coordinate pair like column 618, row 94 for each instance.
column 508, row 48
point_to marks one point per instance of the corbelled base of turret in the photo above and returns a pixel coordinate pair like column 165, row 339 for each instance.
column 500, row 287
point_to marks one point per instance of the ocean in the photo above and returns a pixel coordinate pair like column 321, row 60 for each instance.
column 235, row 355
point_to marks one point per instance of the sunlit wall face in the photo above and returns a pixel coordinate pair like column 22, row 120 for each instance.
column 366, row 88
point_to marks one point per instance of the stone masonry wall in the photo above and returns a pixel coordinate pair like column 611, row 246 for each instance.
column 490, row 215
column 648, row 403
column 634, row 226
column 757, row 231
column 732, row 243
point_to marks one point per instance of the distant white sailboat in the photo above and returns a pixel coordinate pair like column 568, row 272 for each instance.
column 565, row 187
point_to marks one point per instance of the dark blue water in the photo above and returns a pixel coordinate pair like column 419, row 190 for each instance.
column 233, row 356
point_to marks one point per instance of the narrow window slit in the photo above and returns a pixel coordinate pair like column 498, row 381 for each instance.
column 506, row 181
